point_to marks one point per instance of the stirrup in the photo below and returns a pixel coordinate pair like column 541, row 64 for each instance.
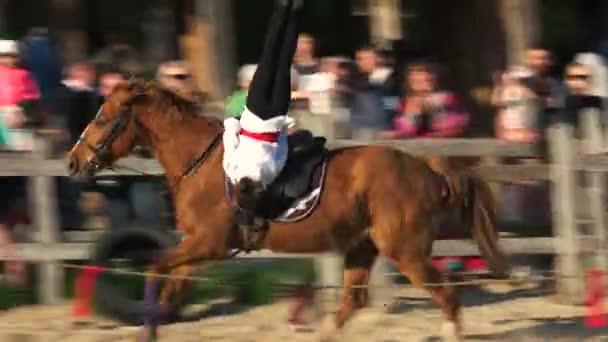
column 252, row 235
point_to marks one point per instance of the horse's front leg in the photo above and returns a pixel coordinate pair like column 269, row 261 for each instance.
column 176, row 284
column 357, row 267
column 178, row 262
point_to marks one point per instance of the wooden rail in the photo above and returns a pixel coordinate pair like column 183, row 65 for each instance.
column 40, row 252
column 568, row 156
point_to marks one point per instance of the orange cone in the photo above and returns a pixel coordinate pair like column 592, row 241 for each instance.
column 594, row 300
column 84, row 289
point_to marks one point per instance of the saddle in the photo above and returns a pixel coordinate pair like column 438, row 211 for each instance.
column 305, row 155
column 302, row 175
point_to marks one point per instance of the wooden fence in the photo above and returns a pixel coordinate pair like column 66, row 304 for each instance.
column 575, row 171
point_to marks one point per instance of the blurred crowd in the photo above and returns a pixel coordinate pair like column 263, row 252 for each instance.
column 370, row 98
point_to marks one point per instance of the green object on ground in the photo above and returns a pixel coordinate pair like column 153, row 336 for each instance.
column 252, row 283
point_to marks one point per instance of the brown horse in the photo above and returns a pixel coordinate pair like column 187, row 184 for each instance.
column 375, row 201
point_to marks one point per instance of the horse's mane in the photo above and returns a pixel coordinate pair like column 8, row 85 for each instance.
column 180, row 107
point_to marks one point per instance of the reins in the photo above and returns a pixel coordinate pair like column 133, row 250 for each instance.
column 192, row 167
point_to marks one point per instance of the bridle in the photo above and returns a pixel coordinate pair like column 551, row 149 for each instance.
column 103, row 149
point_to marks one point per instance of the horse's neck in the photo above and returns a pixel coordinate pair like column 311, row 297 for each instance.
column 179, row 143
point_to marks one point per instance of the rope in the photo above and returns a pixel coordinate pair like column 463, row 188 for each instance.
column 473, row 282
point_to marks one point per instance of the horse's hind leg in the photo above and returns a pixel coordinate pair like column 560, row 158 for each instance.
column 357, row 267
column 420, row 271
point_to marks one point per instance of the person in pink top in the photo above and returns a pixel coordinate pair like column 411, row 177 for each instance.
column 425, row 111
column 18, row 100
column 19, row 94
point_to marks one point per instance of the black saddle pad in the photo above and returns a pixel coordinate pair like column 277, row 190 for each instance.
column 306, row 152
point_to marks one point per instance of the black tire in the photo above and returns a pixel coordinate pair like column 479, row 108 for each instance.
column 140, row 247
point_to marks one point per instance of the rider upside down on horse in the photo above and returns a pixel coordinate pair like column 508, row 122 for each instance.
column 255, row 147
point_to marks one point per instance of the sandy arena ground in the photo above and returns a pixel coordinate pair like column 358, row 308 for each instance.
column 492, row 314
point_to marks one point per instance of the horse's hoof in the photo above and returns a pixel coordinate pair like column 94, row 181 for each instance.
column 328, row 330
column 450, row 332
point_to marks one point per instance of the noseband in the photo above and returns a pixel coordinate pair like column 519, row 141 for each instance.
column 103, row 149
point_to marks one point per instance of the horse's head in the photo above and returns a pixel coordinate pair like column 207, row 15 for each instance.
column 112, row 134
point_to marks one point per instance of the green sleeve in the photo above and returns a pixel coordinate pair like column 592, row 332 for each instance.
column 235, row 104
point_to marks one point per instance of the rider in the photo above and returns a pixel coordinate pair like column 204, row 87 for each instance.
column 255, row 146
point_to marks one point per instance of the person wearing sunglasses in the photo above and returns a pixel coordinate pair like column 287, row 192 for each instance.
column 176, row 76
column 578, row 80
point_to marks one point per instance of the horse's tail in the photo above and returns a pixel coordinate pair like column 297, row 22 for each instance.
column 481, row 214
column 472, row 197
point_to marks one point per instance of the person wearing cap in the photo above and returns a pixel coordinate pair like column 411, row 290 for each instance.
column 235, row 103
column 517, row 105
column 19, row 96
column 177, row 77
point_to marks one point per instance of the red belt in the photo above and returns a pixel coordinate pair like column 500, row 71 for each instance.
column 271, row 137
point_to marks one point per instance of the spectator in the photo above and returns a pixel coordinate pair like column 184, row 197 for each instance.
column 77, row 103
column 547, row 89
column 39, row 55
column 339, row 72
column 235, row 103
column 368, row 117
column 19, row 99
column 340, row 69
column 517, row 115
column 391, row 90
column 176, row 76
column 305, row 61
column 108, row 81
column 426, row 111
column 578, row 81
column 78, row 100
column 598, row 69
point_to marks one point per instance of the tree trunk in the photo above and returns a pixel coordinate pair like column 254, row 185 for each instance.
column 67, row 21
column 214, row 22
column 159, row 33
column 385, row 21
column 521, row 25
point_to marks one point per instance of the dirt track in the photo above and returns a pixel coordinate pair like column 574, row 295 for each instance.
column 496, row 315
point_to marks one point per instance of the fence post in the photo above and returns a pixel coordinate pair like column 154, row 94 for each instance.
column 329, row 269
column 42, row 198
column 595, row 182
column 380, row 280
column 563, row 191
